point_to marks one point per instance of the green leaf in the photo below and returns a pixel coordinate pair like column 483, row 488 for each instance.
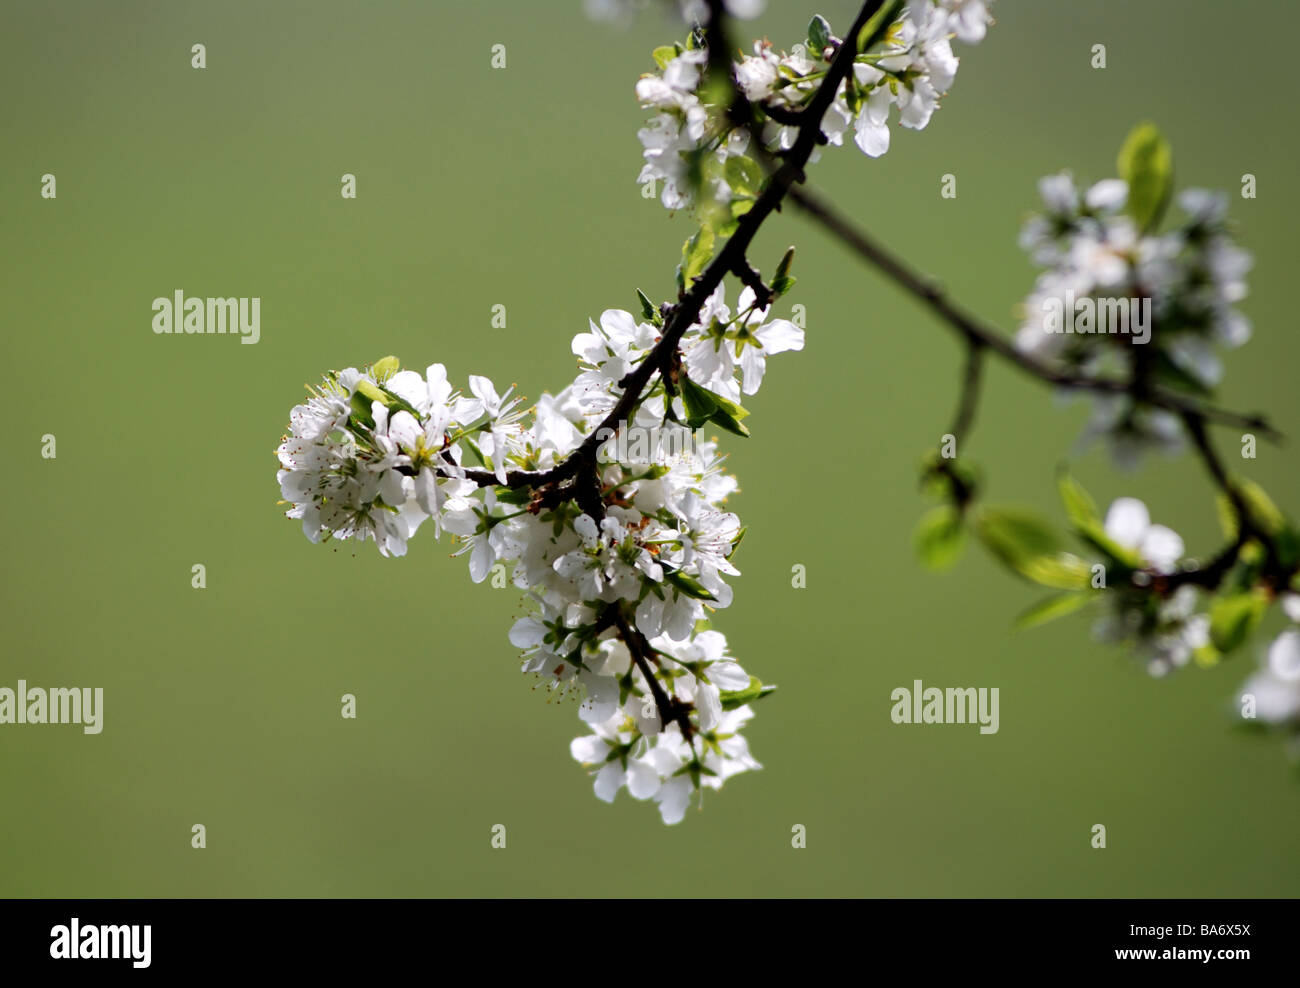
column 819, row 34
column 939, row 537
column 371, row 392
column 1263, row 512
column 729, row 406
column 730, row 423
column 1287, row 543
column 854, row 95
column 648, row 309
column 361, row 408
column 878, row 26
column 787, row 259
column 1031, row 547
column 744, row 175
column 367, row 393
column 1146, row 163
column 1015, row 533
column 1051, row 608
column 664, row 54
column 383, row 369
column 703, row 406
column 782, row 284
column 688, row 585
column 1227, row 515
column 1080, row 508
column 1206, row 655
column 695, row 254
column 1234, row 617
column 1062, row 570
column 699, row 402
column 731, row 699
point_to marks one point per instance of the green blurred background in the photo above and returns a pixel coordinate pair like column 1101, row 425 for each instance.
column 516, row 186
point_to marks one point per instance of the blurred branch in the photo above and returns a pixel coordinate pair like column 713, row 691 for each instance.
column 978, row 334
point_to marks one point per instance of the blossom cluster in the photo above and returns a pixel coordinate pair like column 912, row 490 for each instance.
column 1115, row 300
column 622, row 577
column 689, row 143
column 372, row 454
column 1163, row 632
column 1275, row 687
column 1166, row 628
column 1168, row 608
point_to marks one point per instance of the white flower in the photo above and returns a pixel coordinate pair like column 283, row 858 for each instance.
column 1129, row 523
column 609, row 747
column 968, row 19
column 1275, row 688
column 485, row 537
column 631, row 572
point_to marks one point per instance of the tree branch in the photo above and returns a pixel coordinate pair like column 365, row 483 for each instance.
column 670, row 709
column 733, row 257
column 976, row 333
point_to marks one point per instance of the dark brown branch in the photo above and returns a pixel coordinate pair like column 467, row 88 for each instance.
column 970, row 390
column 671, row 710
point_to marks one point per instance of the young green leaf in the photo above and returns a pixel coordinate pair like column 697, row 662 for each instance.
column 819, row 33
column 688, row 585
column 699, row 402
column 1146, row 163
column 385, row 368
column 939, row 537
column 723, row 418
column 1029, row 546
column 648, row 309
column 1263, row 512
column 1051, row 608
column 878, row 26
column 731, row 699
column 1234, row 617
column 787, row 260
column 744, row 175
column 1227, row 515
column 1015, row 533
column 1080, row 508
column 361, row 409
column 1062, row 570
column 703, row 406
column 696, row 253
